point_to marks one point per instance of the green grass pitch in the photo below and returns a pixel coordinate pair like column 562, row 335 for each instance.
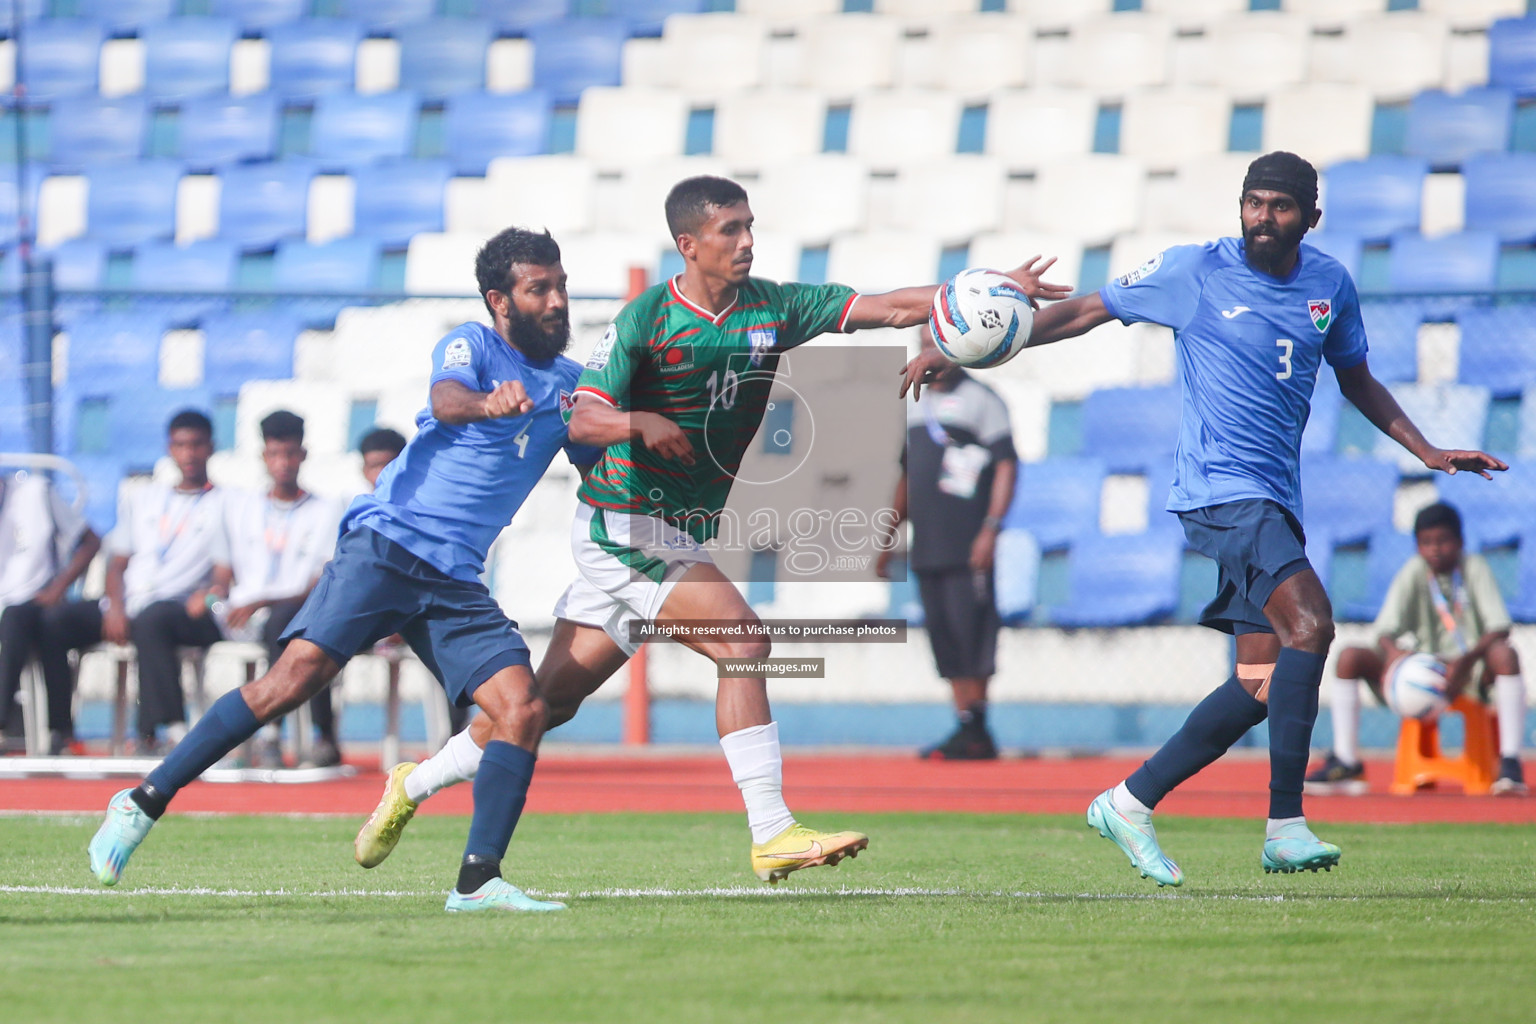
column 945, row 918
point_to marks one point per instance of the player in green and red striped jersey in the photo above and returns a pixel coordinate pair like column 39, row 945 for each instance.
column 675, row 393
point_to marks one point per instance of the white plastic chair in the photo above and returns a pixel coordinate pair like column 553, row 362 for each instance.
column 891, row 129
column 620, row 127
column 1028, row 128
column 1166, row 127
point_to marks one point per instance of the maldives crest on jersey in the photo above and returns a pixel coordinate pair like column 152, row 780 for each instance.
column 762, row 342
column 1322, row 313
column 567, row 406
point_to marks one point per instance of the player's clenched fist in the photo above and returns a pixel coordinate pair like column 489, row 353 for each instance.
column 665, row 438
column 509, row 399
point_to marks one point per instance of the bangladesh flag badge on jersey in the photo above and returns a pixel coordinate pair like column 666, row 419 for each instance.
column 567, row 406
column 676, row 359
column 1322, row 313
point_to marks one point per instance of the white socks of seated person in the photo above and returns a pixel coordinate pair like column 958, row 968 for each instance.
column 1509, row 704
column 753, row 754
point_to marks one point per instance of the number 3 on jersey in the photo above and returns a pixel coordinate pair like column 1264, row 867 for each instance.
column 1285, row 345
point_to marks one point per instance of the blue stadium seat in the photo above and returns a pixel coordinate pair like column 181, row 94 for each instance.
column 479, row 127
column 516, row 17
column 345, row 266
column 205, row 266
column 1375, row 198
column 1057, row 500
column 256, row 15
column 243, row 346
column 114, row 352
column 261, row 204
column 1494, row 511
column 314, row 57
column 1159, row 476
column 121, row 16
column 1446, row 129
column 444, row 57
column 569, row 56
column 132, row 203
column 378, row 15
column 1349, row 499
column 1129, row 428
column 1125, row 580
column 62, row 58
column 351, row 131
column 400, row 199
column 1320, row 554
column 1501, row 195
column 1322, row 430
column 1392, row 331
column 1498, row 348
column 103, row 474
column 138, row 420
column 87, row 130
column 1348, row 249
column 218, row 130
column 1467, row 261
column 1016, row 575
column 1522, row 603
column 645, row 17
column 79, row 264
column 31, row 10
column 1512, row 55
column 186, row 57
column 1387, row 552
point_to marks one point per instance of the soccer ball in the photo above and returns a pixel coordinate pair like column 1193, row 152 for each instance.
column 980, row 318
column 1416, row 687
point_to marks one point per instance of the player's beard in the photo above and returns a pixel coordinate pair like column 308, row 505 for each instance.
column 534, row 340
column 1269, row 253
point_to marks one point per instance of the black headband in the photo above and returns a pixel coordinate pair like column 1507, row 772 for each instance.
column 1284, row 172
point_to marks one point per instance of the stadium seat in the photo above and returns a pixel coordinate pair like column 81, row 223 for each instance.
column 1198, row 199
column 599, row 262
column 646, row 17
column 122, row 16
column 635, row 206
column 727, row 51
column 1497, row 511
column 1007, row 249
column 1512, row 55
column 974, row 186
column 1126, row 580
column 754, row 128
column 1326, row 121
column 479, row 127
column 62, row 58
column 186, row 57
column 245, row 346
column 621, row 127
column 1092, row 197
column 85, row 130
column 1349, row 499
column 789, row 10
column 518, row 16
column 343, row 266
column 1057, row 500
column 1322, row 429
column 1522, row 603
column 384, row 15
column 114, row 351
column 569, row 56
column 79, row 264
column 1119, row 54
column 974, row 55
column 1392, row 331
column 1452, row 414
column 1254, row 55
column 892, row 128
column 396, row 200
column 1387, row 552
column 1393, row 55
column 1129, row 429
column 554, row 192
column 213, row 131
column 314, row 57
column 814, row 198
column 1464, row 262
column 1375, row 198
column 878, row 261
column 351, row 131
column 261, row 204
column 137, row 421
column 1348, row 249
column 1501, row 195
column 843, row 55
column 205, row 266
column 1031, row 128
column 1166, row 127
column 1498, row 348
column 1016, row 572
column 1473, row 14
column 1446, row 129
column 259, row 15
column 132, row 203
column 443, row 57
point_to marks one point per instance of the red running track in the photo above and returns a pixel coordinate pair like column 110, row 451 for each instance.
column 853, row 783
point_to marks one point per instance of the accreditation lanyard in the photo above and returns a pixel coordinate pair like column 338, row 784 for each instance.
column 171, row 530
column 936, row 430
column 277, row 535
column 1450, row 611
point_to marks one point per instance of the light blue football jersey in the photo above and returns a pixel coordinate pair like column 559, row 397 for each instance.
column 1249, row 349
column 453, row 489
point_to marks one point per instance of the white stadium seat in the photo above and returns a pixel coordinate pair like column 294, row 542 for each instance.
column 61, row 204
column 120, row 68
column 323, row 405
column 812, row 199
column 1200, row 199
column 775, row 255
column 1443, row 206
column 879, row 261
column 1029, row 410
column 716, row 52
column 1115, row 56
column 1006, row 250
column 1393, row 55
column 1334, row 13
column 250, row 67
column 508, row 65
column 845, row 54
column 760, row 127
column 788, row 10
column 197, row 208
column 1093, row 198
column 435, row 262
column 329, row 212
column 637, row 203
column 1027, row 128
column 1194, row 13
column 1325, row 122
column 599, row 263
column 1474, row 14
column 925, row 8
column 1165, row 127
column 972, row 56
column 553, row 192
column 1130, row 251
column 378, row 65
column 375, row 348
column 952, row 199
column 1466, row 61
column 890, row 129
column 1255, row 54
column 619, row 127
column 1058, row 14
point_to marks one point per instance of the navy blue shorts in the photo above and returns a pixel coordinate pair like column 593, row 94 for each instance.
column 1257, row 545
column 374, row 588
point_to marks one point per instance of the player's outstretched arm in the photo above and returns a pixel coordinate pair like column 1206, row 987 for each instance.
column 1373, row 399
column 454, row 403
column 595, row 422
column 908, row 307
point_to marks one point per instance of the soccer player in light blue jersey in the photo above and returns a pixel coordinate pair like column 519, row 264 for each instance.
column 1254, row 318
column 409, row 561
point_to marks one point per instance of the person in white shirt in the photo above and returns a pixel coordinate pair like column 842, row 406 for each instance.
column 278, row 544
column 45, row 546
column 159, row 583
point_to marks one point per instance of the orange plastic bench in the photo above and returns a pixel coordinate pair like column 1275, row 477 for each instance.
column 1420, row 762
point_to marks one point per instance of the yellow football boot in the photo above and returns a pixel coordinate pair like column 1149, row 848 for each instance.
column 801, row 847
column 379, row 834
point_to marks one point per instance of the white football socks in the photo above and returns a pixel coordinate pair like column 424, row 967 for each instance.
column 1509, row 702
column 1346, row 720
column 455, row 763
column 1126, row 803
column 758, row 768
column 1272, row 826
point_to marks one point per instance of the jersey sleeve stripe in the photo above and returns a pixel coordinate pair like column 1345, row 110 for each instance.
column 590, row 390
column 842, row 321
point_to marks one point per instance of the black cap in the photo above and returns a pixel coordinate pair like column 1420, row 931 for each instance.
column 1284, row 172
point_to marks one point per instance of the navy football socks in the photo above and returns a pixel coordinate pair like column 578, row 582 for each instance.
column 501, row 789
column 1292, row 713
column 1210, row 730
column 227, row 724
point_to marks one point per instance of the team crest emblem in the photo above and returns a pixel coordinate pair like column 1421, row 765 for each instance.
column 762, row 342
column 676, row 359
column 1322, row 313
column 567, row 406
